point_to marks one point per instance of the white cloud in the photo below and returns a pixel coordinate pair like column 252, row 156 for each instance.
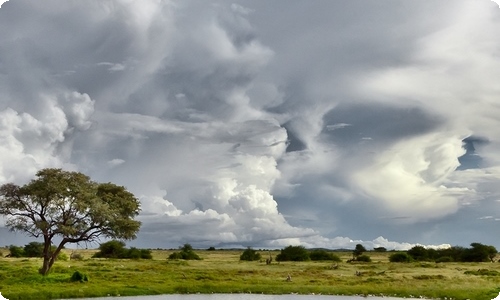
column 193, row 108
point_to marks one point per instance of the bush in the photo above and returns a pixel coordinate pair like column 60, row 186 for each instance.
column 363, row 258
column 185, row 253
column 293, row 253
column 62, row 256
column 444, row 259
column 211, row 249
column 116, row 249
column 400, row 257
column 33, row 249
column 80, row 277
column 418, row 253
column 250, row 255
column 323, row 255
column 111, row 249
column 16, row 251
column 76, row 256
column 146, row 254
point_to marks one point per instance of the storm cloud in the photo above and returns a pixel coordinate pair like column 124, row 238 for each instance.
column 257, row 123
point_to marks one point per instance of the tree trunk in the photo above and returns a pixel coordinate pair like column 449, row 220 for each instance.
column 49, row 257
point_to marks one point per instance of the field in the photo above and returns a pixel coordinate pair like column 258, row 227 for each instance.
column 221, row 272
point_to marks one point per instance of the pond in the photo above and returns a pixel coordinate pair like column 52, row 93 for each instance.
column 242, row 297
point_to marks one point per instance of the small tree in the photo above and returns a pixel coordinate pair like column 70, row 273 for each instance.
column 418, row 253
column 250, row 255
column 185, row 253
column 293, row 253
column 70, row 206
column 358, row 250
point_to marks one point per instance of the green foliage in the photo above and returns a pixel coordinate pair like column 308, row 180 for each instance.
column 80, row 277
column 211, row 248
column 380, row 249
column 363, row 258
column 62, row 256
column 358, row 250
column 321, row 254
column 444, row 259
column 293, row 253
column 16, row 251
column 33, row 249
column 479, row 253
column 70, row 206
column 400, row 257
column 418, row 253
column 116, row 249
column 111, row 249
column 186, row 253
column 250, row 255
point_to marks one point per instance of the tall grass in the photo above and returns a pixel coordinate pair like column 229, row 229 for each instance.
column 222, row 272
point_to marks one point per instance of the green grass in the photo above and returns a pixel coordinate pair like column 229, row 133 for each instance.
column 222, row 272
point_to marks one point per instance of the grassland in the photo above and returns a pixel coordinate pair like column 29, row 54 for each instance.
column 222, row 272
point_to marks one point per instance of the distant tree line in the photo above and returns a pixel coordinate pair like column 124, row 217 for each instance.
column 476, row 253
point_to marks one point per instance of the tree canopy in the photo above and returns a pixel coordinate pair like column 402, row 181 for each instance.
column 70, row 206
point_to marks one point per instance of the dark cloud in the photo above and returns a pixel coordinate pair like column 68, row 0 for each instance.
column 257, row 123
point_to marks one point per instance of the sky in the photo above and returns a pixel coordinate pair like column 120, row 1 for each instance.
column 264, row 123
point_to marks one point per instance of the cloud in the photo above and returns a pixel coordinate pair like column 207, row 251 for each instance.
column 327, row 125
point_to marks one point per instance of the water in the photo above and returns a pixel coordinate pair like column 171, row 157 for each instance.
column 241, row 297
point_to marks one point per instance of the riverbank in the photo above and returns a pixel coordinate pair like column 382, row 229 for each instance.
column 222, row 272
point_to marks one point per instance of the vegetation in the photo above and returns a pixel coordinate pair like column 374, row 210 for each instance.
column 186, row 253
column 69, row 206
column 321, row 254
column 293, row 253
column 476, row 253
column 400, row 257
column 221, row 271
column 116, row 249
column 250, row 255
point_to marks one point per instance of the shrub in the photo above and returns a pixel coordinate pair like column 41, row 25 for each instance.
column 358, row 250
column 380, row 249
column 323, row 255
column 76, row 256
column 211, row 249
column 418, row 253
column 62, row 256
column 185, row 253
column 111, row 249
column 116, row 249
column 33, row 249
column 250, row 255
column 399, row 257
column 133, row 253
column 443, row 259
column 16, row 251
column 364, row 258
column 80, row 277
column 293, row 253
column 146, row 254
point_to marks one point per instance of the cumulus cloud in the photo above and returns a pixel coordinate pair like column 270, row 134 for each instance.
column 238, row 126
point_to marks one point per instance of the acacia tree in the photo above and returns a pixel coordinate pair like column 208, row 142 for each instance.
column 70, row 207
